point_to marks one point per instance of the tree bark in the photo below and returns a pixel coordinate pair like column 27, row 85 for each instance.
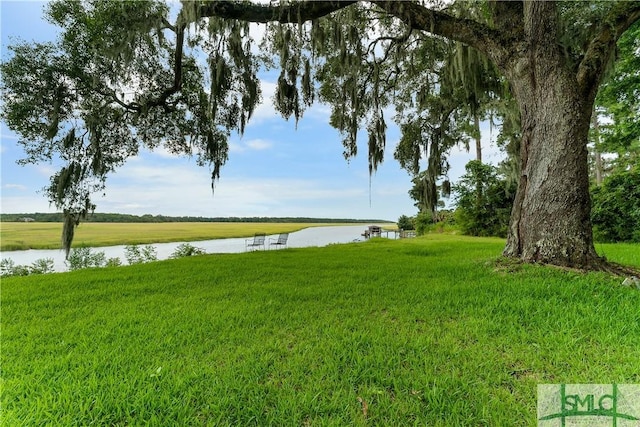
column 550, row 221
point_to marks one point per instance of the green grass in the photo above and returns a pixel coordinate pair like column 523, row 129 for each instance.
column 421, row 331
column 622, row 253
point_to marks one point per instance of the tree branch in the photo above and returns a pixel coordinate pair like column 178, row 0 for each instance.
column 510, row 14
column 177, row 67
column 417, row 17
column 293, row 13
column 166, row 24
column 439, row 23
column 112, row 96
column 393, row 40
column 602, row 46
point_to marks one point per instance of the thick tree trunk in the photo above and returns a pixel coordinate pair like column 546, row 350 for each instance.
column 551, row 216
column 550, row 221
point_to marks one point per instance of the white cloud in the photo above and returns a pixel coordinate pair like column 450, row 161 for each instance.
column 236, row 147
column 259, row 144
column 153, row 185
column 265, row 110
column 318, row 112
column 162, row 152
column 26, row 204
column 7, row 142
column 45, row 170
column 185, row 190
column 257, row 32
column 19, row 187
column 252, row 144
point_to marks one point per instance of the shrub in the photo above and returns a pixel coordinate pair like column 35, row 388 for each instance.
column 615, row 212
column 484, row 201
column 405, row 223
column 9, row 268
column 447, row 217
column 185, row 249
column 139, row 255
column 114, row 262
column 423, row 222
column 80, row 258
column 445, row 222
column 42, row 266
column 6, row 267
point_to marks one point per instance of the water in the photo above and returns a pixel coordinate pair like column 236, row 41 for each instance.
column 312, row 236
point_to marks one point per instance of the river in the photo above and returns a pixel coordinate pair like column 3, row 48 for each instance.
column 312, row 236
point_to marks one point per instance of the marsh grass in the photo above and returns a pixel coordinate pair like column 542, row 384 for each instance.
column 415, row 332
column 46, row 235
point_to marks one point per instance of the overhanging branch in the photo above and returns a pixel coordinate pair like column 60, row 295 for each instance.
column 248, row 12
column 296, row 12
column 602, row 46
column 177, row 73
column 421, row 18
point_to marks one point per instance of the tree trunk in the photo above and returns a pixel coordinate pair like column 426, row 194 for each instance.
column 596, row 143
column 598, row 167
column 550, row 221
column 476, row 123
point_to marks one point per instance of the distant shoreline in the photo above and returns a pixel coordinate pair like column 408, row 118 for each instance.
column 17, row 236
column 148, row 218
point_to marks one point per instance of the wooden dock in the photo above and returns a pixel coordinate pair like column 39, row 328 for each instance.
column 377, row 231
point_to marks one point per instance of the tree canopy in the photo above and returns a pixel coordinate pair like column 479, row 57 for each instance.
column 126, row 75
column 618, row 104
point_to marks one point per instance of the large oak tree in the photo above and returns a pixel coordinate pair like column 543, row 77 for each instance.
column 124, row 75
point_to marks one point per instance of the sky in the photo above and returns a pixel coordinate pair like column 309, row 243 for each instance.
column 276, row 169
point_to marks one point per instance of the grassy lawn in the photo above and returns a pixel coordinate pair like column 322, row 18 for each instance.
column 46, row 235
column 421, row 331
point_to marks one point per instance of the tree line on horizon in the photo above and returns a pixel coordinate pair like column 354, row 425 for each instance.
column 148, row 218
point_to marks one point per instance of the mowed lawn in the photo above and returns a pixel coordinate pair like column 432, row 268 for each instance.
column 426, row 331
column 47, row 235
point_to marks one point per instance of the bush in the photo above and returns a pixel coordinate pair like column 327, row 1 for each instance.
column 185, row 249
column 445, row 222
column 137, row 255
column 484, row 201
column 405, row 223
column 423, row 222
column 447, row 217
column 615, row 211
column 6, row 267
column 40, row 266
column 80, row 258
column 114, row 262
column 9, row 268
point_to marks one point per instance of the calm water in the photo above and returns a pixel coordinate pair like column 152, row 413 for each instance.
column 313, row 236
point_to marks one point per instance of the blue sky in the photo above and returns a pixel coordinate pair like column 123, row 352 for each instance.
column 274, row 170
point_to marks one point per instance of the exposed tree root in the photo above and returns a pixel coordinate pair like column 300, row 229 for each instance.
column 619, row 269
column 512, row 264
